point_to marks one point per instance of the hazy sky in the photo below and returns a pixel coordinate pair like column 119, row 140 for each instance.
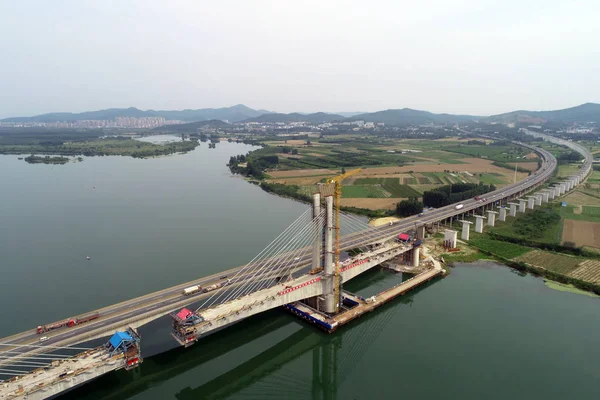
column 473, row 57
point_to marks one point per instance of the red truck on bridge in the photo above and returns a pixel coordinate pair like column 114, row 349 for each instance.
column 67, row 322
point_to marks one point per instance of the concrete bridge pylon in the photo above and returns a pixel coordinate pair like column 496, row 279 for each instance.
column 466, row 227
column 479, row 223
column 328, row 269
column 502, row 216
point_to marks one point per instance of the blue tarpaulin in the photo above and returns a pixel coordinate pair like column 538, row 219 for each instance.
column 118, row 338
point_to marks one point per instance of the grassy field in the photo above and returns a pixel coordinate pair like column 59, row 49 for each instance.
column 368, row 191
column 502, row 249
column 390, row 186
column 491, row 178
column 560, row 263
column 552, row 234
column 567, row 170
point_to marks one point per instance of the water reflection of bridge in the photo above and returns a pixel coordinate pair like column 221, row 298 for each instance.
column 269, row 374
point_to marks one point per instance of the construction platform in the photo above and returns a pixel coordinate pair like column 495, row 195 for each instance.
column 354, row 306
column 122, row 351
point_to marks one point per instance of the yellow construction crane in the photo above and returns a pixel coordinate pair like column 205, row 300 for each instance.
column 337, row 196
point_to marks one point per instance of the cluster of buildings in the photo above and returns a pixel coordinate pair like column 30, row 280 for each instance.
column 118, row 122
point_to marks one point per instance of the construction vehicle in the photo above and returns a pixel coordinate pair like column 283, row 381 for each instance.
column 67, row 322
column 191, row 290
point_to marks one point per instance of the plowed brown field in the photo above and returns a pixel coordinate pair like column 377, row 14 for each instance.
column 582, row 233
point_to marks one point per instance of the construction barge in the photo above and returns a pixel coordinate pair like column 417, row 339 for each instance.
column 354, row 306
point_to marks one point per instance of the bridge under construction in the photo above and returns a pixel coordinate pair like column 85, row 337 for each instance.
column 302, row 270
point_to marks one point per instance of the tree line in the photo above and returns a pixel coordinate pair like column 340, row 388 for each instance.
column 448, row 194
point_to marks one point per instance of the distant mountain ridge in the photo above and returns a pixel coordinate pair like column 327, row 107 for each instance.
column 588, row 112
column 233, row 114
column 410, row 116
column 296, row 117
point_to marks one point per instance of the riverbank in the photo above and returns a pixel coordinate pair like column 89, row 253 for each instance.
column 511, row 255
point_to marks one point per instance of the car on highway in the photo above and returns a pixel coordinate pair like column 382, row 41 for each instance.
column 43, row 338
column 297, row 258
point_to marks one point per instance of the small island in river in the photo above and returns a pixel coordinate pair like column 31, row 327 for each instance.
column 32, row 159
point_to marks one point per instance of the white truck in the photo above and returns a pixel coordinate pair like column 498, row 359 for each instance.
column 191, row 290
column 458, row 207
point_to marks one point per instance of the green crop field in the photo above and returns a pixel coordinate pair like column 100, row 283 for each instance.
column 393, row 186
column 379, row 188
column 560, row 263
column 409, row 181
column 490, row 179
column 354, row 191
column 502, row 249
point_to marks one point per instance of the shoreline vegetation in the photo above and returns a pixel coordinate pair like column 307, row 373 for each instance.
column 88, row 143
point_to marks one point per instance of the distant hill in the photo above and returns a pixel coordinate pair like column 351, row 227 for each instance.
column 297, row 117
column 413, row 117
column 232, row 114
column 192, row 127
column 587, row 112
column 350, row 114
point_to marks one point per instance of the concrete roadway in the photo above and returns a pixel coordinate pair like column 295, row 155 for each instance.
column 146, row 304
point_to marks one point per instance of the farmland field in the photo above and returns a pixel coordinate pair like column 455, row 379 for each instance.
column 582, row 233
column 559, row 263
column 588, row 271
column 502, row 249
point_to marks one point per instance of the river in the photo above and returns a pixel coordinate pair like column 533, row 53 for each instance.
column 483, row 332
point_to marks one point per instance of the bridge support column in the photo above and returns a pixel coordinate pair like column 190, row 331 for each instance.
column 329, row 304
column 502, row 216
column 556, row 191
column 466, row 226
column 538, row 199
column 416, row 254
column 479, row 223
column 513, row 209
column 563, row 188
column 316, row 255
column 421, row 231
column 530, row 202
column 491, row 217
column 450, row 238
column 522, row 204
column 549, row 194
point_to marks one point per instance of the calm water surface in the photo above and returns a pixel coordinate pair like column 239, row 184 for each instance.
column 483, row 332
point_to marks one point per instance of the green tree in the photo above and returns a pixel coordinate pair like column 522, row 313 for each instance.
column 409, row 207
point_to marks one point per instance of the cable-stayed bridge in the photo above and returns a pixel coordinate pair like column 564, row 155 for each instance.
column 278, row 275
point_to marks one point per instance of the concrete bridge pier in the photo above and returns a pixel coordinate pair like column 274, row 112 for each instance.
column 530, row 202
column 502, row 216
column 538, row 199
column 479, row 223
column 466, row 226
column 563, row 188
column 522, row 204
column 421, row 231
column 550, row 193
column 328, row 269
column 491, row 217
column 450, row 238
column 556, row 191
column 545, row 196
column 415, row 256
column 513, row 209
